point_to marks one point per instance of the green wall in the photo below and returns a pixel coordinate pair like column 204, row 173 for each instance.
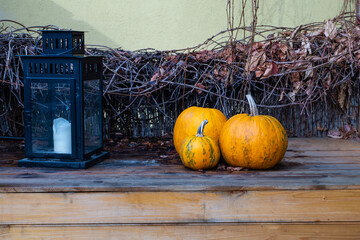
column 159, row 24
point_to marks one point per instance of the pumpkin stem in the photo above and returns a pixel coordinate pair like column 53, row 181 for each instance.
column 252, row 104
column 200, row 131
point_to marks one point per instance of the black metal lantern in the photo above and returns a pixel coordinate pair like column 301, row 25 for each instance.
column 63, row 104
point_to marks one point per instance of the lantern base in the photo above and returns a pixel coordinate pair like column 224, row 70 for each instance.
column 63, row 163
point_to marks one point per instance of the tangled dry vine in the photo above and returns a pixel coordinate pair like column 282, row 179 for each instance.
column 307, row 77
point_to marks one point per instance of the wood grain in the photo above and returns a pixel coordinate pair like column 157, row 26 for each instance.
column 340, row 231
column 179, row 207
column 314, row 193
column 322, row 144
column 310, row 164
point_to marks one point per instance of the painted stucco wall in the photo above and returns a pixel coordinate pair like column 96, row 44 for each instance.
column 159, row 24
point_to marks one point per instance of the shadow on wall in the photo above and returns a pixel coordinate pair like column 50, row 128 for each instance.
column 49, row 13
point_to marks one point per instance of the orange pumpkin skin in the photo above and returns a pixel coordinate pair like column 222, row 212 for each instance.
column 200, row 152
column 256, row 142
column 253, row 141
column 189, row 120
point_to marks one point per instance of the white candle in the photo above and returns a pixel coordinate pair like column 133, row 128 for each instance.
column 62, row 136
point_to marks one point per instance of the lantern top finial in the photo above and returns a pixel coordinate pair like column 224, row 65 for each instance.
column 63, row 42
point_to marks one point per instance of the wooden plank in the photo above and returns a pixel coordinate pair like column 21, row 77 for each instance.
column 322, row 144
column 179, row 207
column 314, row 163
column 323, row 160
column 191, row 181
column 291, row 165
column 329, row 153
column 247, row 231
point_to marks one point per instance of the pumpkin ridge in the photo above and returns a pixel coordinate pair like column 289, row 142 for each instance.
column 268, row 160
column 202, row 145
column 188, row 152
column 280, row 140
column 211, row 154
column 281, row 128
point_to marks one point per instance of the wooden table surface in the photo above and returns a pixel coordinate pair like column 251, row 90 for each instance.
column 313, row 193
column 313, row 163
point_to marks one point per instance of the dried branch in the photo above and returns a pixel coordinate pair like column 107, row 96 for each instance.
column 295, row 74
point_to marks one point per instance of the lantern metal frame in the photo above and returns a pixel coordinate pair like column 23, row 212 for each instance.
column 54, row 67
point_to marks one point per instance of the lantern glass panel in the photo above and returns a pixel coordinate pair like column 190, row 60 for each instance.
column 40, row 116
column 92, row 116
column 51, row 117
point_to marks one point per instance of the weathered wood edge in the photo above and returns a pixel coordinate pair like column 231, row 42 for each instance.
column 180, row 207
column 219, row 231
column 169, row 189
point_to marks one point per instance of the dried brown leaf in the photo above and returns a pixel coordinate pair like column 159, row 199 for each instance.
column 330, row 30
column 238, row 168
column 292, row 96
column 295, row 77
column 286, row 33
column 357, row 56
column 230, row 169
column 301, row 52
column 221, row 73
column 335, row 134
column 305, row 43
column 258, row 58
column 356, row 31
column 138, row 59
column 258, row 46
column 321, row 129
column 309, row 73
column 275, row 68
column 342, row 95
column 314, row 58
column 292, row 55
column 340, row 50
column 205, row 55
column 240, row 47
column 328, row 81
column 258, row 74
column 283, row 48
column 348, row 128
column 315, row 33
column 310, row 88
column 281, row 96
column 341, row 40
column 229, row 55
column 201, row 86
column 268, row 70
column 297, row 86
column 162, row 71
column 155, row 77
column 221, row 166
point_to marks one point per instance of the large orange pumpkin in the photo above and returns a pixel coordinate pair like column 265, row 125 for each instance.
column 190, row 119
column 253, row 141
column 200, row 152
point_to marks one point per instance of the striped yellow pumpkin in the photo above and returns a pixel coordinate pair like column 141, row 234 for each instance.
column 189, row 120
column 200, row 152
column 253, row 141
